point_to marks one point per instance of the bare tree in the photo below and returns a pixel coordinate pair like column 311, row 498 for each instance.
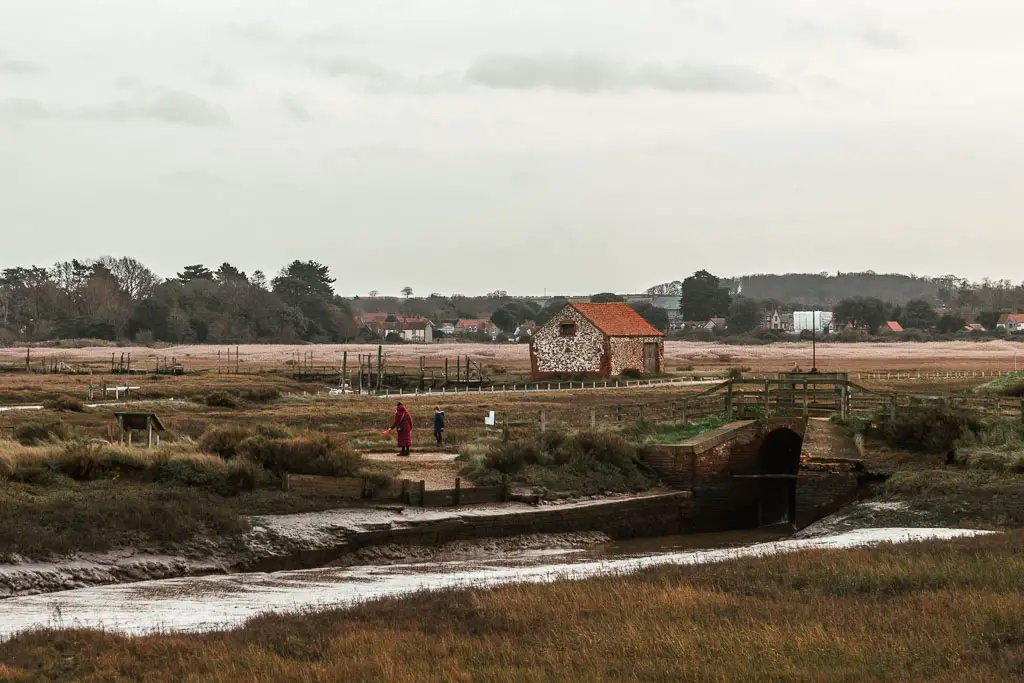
column 134, row 278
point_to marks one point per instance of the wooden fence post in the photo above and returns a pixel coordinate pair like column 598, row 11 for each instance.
column 423, row 493
column 728, row 401
column 685, row 417
column 458, row 490
column 807, row 409
column 593, row 418
column 892, row 407
column 767, row 399
column 543, row 420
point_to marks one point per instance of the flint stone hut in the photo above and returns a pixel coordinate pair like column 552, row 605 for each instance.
column 602, row 340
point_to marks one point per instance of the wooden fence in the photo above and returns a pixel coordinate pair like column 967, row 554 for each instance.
column 805, row 397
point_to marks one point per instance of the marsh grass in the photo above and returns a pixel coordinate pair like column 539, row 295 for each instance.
column 937, row 611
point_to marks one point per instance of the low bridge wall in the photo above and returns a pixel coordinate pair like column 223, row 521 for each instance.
column 753, row 473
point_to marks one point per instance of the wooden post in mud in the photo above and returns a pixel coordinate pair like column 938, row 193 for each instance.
column 458, row 490
column 728, row 401
column 544, row 420
column 806, row 405
column 892, row 408
column 593, row 418
column 344, row 370
column 423, row 493
column 767, row 399
column 685, row 417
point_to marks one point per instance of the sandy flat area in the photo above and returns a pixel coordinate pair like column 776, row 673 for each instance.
column 959, row 355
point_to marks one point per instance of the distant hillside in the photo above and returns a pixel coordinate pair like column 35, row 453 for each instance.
column 828, row 289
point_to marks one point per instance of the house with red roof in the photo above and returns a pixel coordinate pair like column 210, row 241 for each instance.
column 1011, row 321
column 603, row 340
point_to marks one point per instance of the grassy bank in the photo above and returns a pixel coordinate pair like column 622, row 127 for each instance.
column 61, row 497
column 940, row 611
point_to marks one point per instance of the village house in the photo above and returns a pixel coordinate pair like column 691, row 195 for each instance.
column 974, row 327
column 419, row 331
column 777, row 320
column 893, row 326
column 474, row 326
column 1011, row 322
column 715, row 325
column 604, row 340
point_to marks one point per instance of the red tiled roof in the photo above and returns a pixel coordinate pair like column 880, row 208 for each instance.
column 617, row 320
column 894, row 326
column 1011, row 318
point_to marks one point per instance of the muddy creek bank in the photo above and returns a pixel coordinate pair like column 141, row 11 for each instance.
column 216, row 602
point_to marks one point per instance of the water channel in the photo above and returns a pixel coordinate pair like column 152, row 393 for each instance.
column 217, row 602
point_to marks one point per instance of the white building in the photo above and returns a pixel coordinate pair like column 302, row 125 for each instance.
column 820, row 321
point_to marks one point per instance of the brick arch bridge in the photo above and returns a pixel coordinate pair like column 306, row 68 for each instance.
column 757, row 473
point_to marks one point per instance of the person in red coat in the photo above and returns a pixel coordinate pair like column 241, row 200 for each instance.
column 402, row 424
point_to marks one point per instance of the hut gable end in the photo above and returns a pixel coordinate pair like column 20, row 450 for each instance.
column 568, row 344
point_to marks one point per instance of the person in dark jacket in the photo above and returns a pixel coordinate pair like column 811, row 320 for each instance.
column 438, row 425
column 402, row 424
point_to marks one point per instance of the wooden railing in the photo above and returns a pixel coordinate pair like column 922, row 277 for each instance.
column 824, row 396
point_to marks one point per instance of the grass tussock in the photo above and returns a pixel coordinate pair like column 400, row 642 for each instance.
column 43, row 521
column 941, row 611
column 587, row 463
column 673, row 432
column 65, row 404
column 173, row 464
column 35, row 433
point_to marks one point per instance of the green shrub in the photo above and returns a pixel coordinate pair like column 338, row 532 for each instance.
column 585, row 464
column 224, row 441
column 260, row 395
column 306, row 454
column 242, row 474
column 65, row 403
column 80, row 461
column 221, row 399
column 930, row 429
column 36, row 433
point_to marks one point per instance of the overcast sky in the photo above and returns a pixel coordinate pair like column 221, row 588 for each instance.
column 471, row 145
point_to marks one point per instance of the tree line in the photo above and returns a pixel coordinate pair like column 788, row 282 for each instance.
column 120, row 298
column 703, row 296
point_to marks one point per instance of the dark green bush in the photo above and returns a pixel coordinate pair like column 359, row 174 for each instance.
column 221, row 399
column 930, row 429
column 586, row 464
column 36, row 433
column 306, row 454
column 65, row 403
column 260, row 395
column 224, row 441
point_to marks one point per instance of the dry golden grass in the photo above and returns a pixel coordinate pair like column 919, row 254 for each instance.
column 940, row 611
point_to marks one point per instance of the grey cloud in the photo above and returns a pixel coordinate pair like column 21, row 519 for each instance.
column 295, row 108
column 21, row 110
column 882, row 38
column 586, row 73
column 18, row 67
column 172, row 106
column 355, row 68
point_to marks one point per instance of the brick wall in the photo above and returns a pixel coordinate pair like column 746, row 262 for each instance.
column 706, row 465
